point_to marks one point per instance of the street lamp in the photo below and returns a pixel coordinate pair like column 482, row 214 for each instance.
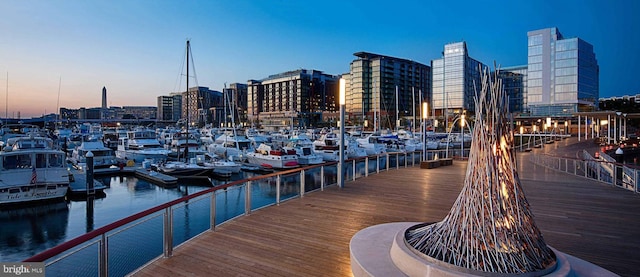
column 341, row 162
column 462, row 134
column 617, row 133
column 424, row 130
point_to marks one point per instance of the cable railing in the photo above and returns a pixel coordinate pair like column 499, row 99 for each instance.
column 124, row 246
column 602, row 170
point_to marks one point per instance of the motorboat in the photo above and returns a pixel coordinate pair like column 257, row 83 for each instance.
column 102, row 156
column 141, row 144
column 270, row 158
column 32, row 170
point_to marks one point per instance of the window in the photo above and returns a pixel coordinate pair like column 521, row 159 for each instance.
column 41, row 160
column 535, row 40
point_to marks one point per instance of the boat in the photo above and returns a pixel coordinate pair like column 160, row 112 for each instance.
column 32, row 170
column 141, row 144
column 182, row 169
column 185, row 139
column 303, row 147
column 270, row 158
column 230, row 146
column 102, row 156
column 217, row 164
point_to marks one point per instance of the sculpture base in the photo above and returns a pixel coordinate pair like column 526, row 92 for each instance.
column 380, row 250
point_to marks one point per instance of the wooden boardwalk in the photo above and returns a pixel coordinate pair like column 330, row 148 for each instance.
column 310, row 236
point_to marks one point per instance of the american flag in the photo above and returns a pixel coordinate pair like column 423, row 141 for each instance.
column 34, row 175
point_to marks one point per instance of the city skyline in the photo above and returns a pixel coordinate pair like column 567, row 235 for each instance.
column 61, row 53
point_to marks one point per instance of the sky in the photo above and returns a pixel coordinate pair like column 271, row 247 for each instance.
column 60, row 53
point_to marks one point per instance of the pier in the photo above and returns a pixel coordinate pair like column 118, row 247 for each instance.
column 310, row 236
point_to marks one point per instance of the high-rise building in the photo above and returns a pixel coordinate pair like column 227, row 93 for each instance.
column 297, row 97
column 170, row 107
column 455, row 78
column 235, row 97
column 514, row 82
column 563, row 74
column 375, row 82
column 198, row 103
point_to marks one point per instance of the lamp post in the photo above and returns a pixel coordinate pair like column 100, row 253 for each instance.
column 615, row 125
column 341, row 162
column 462, row 134
column 625, row 125
column 424, row 130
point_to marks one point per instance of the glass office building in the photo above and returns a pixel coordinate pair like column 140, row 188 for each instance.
column 514, row 82
column 453, row 78
column 563, row 74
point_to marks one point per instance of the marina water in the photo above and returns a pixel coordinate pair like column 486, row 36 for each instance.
column 29, row 230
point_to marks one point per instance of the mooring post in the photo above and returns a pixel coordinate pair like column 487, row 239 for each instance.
column 90, row 187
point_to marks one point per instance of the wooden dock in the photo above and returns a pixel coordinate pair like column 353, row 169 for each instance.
column 310, row 236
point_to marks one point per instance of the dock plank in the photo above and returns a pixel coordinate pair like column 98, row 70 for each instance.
column 310, row 236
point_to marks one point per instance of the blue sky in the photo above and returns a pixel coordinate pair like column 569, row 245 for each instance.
column 136, row 48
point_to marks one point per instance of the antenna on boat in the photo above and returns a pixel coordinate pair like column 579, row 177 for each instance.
column 186, row 150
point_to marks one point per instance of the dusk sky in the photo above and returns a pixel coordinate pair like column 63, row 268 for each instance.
column 136, row 48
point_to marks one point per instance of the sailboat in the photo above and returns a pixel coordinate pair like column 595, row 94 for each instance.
column 186, row 168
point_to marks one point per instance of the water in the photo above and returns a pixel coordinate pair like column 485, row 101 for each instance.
column 27, row 231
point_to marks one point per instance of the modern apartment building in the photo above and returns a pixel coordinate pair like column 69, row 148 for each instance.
column 294, row 98
column 385, row 91
column 563, row 74
column 514, row 82
column 198, row 105
column 235, row 98
column 170, row 107
column 455, row 78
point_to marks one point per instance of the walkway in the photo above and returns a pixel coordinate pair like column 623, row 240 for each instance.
column 310, row 236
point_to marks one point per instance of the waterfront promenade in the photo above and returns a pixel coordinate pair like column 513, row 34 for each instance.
column 310, row 236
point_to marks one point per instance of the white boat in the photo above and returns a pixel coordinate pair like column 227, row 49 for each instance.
column 217, row 164
column 32, row 170
column 277, row 159
column 371, row 145
column 230, row 146
column 328, row 145
column 141, row 144
column 102, row 155
column 183, row 140
column 182, row 169
column 303, row 146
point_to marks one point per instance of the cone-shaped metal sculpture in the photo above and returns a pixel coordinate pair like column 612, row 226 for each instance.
column 490, row 227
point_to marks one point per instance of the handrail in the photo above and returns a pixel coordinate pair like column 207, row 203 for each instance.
column 100, row 233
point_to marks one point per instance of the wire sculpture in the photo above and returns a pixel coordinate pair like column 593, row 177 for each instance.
column 490, row 227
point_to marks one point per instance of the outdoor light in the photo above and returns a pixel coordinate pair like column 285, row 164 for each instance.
column 566, row 123
column 604, row 122
column 549, row 121
column 424, row 110
column 555, row 125
column 462, row 121
column 343, row 84
column 435, row 123
column 521, row 130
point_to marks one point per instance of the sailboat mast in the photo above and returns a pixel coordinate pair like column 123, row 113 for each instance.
column 397, row 114
column 186, row 150
column 413, row 94
column 6, row 102
column 375, row 106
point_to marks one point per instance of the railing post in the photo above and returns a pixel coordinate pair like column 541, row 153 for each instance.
column 366, row 166
column 212, row 212
column 388, row 159
column 397, row 160
column 278, row 189
column 247, row 199
column 168, row 232
column 322, row 178
column 353, row 170
column 405, row 160
column 103, row 257
column 302, row 183
column 378, row 163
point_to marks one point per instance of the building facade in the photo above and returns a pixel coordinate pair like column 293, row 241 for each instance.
column 295, row 98
column 514, row 82
column 563, row 74
column 455, row 78
column 201, row 106
column 385, row 92
column 235, row 99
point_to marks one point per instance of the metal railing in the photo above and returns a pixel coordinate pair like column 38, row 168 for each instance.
column 601, row 170
column 126, row 245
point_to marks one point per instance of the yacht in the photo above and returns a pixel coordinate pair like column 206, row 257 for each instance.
column 269, row 158
column 102, row 156
column 303, row 147
column 230, row 146
column 182, row 140
column 141, row 144
column 32, row 170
